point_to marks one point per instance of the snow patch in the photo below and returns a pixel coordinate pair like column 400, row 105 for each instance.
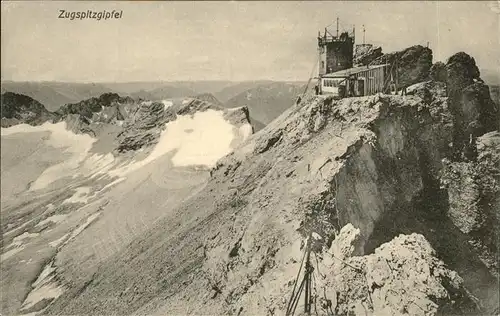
column 19, row 240
column 80, row 228
column 167, row 103
column 45, row 287
column 45, row 275
column 6, row 255
column 57, row 242
column 16, row 228
column 115, row 182
column 97, row 164
column 209, row 139
column 80, row 196
column 78, row 145
column 54, row 219
column 245, row 131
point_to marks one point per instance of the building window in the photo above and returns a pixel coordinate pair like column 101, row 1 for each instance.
column 322, row 65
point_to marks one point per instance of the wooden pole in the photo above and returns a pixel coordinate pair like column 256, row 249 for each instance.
column 337, row 27
column 364, row 30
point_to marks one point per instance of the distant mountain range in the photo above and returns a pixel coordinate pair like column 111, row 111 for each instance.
column 265, row 99
column 266, row 102
column 55, row 94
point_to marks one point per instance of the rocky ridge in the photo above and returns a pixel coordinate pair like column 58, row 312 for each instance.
column 18, row 109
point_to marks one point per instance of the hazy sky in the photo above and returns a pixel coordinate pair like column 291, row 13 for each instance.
column 226, row 40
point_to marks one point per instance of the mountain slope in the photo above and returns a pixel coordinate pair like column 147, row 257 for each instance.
column 56, row 184
column 236, row 246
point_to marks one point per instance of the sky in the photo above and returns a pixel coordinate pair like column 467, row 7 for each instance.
column 233, row 40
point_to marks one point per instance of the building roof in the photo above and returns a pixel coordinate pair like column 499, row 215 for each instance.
column 351, row 71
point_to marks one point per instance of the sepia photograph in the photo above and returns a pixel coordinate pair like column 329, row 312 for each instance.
column 260, row 158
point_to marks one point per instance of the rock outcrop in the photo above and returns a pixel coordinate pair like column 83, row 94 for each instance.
column 473, row 110
column 365, row 54
column 413, row 64
column 21, row 109
column 469, row 173
column 438, row 72
column 402, row 277
column 474, row 198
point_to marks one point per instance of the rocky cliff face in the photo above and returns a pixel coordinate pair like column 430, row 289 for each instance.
column 473, row 193
column 402, row 277
column 236, row 247
column 473, row 110
column 18, row 109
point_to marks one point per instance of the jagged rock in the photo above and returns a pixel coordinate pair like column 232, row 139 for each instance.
column 473, row 194
column 105, row 108
column 365, row 54
column 78, row 124
column 495, row 94
column 237, row 116
column 193, row 106
column 461, row 71
column 470, row 103
column 144, row 126
column 208, row 97
column 402, row 277
column 21, row 109
column 438, row 72
column 428, row 91
column 413, row 64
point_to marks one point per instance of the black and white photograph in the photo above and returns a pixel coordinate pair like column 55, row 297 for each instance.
column 250, row 158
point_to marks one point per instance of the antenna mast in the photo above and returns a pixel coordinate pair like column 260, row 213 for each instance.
column 364, row 34
column 337, row 27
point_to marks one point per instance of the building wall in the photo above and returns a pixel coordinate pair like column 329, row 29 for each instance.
column 335, row 54
column 322, row 62
column 339, row 55
column 374, row 80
